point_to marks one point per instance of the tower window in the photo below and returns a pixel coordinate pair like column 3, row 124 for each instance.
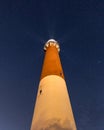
column 40, row 91
column 60, row 73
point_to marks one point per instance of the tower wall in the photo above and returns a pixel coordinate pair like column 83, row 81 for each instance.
column 53, row 108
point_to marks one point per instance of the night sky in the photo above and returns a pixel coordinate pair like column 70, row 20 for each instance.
column 25, row 25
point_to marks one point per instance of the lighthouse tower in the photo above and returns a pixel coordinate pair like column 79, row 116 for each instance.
column 53, row 108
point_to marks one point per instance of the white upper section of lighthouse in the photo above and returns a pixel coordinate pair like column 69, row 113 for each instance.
column 52, row 42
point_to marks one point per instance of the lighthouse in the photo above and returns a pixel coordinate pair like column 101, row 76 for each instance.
column 53, row 109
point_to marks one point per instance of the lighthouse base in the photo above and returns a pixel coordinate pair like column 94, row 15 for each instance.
column 53, row 109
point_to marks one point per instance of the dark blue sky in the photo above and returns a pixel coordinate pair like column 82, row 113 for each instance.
column 25, row 26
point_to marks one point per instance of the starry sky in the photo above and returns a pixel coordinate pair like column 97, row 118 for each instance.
column 25, row 25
